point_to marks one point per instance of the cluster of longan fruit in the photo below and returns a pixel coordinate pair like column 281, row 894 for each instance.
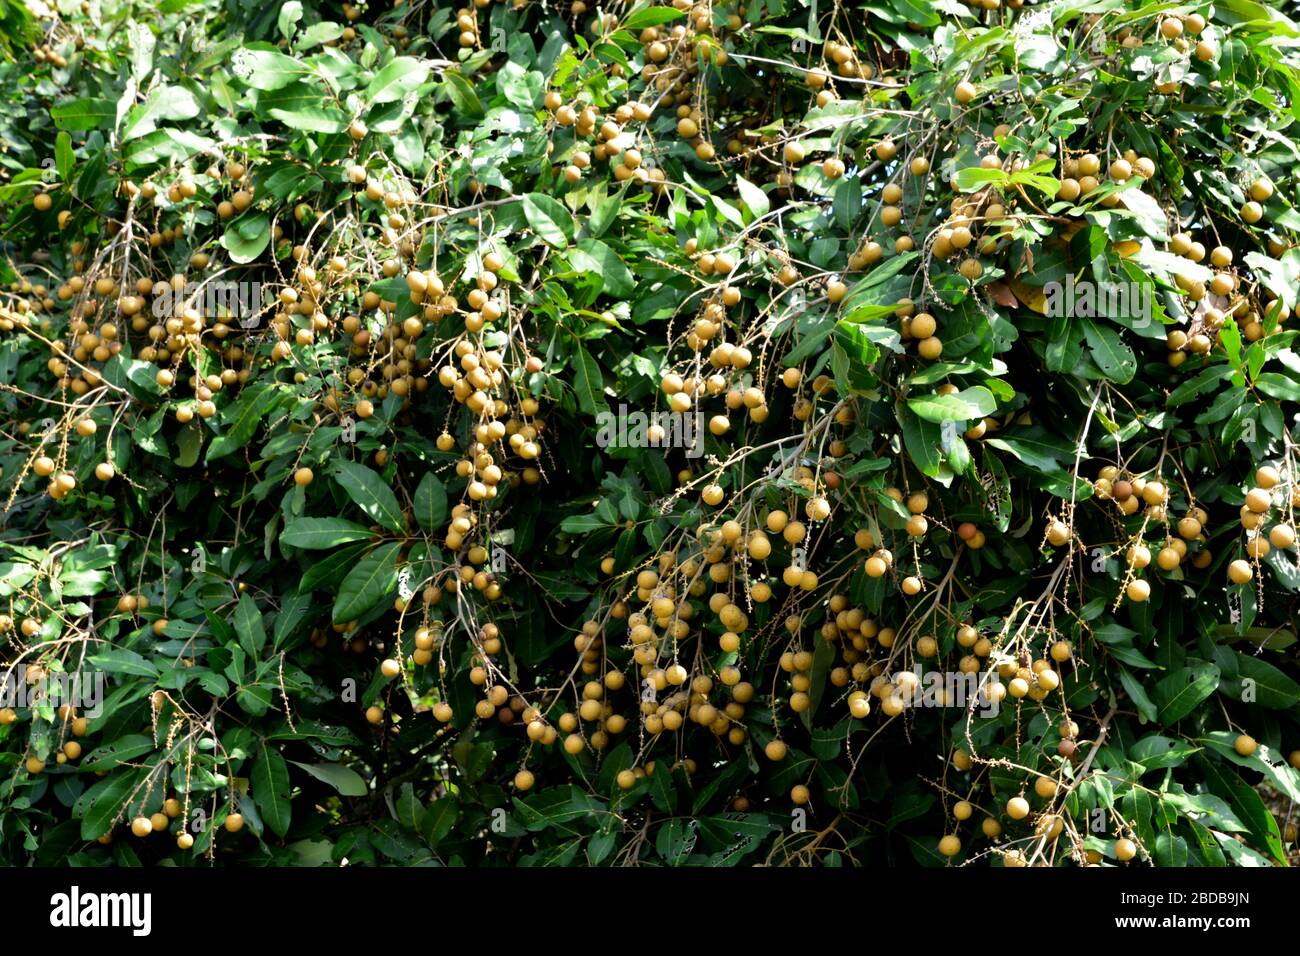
column 613, row 145
column 1269, row 492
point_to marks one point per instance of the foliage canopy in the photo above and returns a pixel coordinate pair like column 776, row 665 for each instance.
column 330, row 341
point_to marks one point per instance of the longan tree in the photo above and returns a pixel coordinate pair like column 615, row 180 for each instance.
column 690, row 433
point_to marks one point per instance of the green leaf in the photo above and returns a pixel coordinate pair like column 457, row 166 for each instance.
column 64, row 159
column 1269, row 686
column 754, row 197
column 1179, row 694
column 549, row 219
column 588, row 382
column 1277, row 385
column 675, row 840
column 1274, row 766
column 462, row 94
column 1137, row 693
column 649, row 16
column 1115, row 359
column 371, row 494
column 132, row 374
column 594, row 257
column 293, row 613
column 120, row 751
column 345, row 780
column 974, row 178
column 101, row 805
column 1035, row 447
column 921, row 439
column 974, row 402
column 431, row 503
column 189, row 442
column 316, row 34
column 315, row 534
column 247, row 237
column 439, row 817
column 371, row 580
column 269, row 780
column 162, row 103
column 122, row 661
column 328, row 572
column 1156, row 752
column 248, row 625
column 263, row 67
column 397, row 78
column 287, row 21
column 1226, row 783
column 84, row 113
column 310, row 119
column 242, row 419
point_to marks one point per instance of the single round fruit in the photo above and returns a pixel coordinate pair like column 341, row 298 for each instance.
column 303, row 477
column 1244, row 745
column 1125, row 849
column 1138, row 591
column 234, row 822
column 1017, row 808
column 1239, row 571
column 950, row 846
column 1259, row 500
column 1261, row 190
column 1266, row 476
column 141, row 826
